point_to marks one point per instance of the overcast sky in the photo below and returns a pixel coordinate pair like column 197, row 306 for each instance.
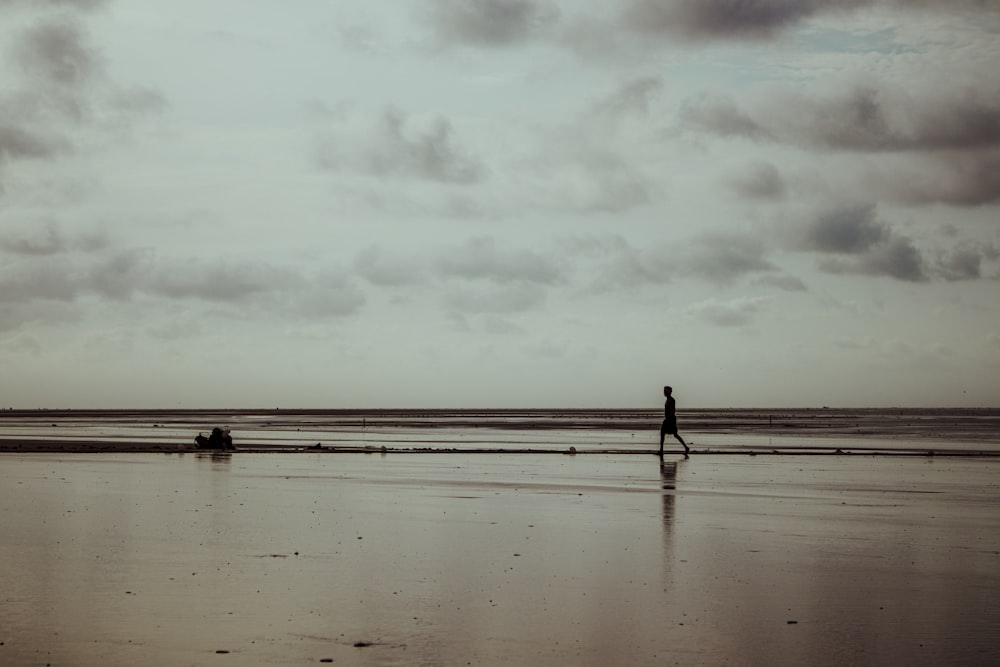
column 499, row 203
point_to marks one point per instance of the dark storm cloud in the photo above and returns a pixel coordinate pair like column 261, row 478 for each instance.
column 949, row 137
column 868, row 118
column 489, row 23
column 969, row 179
column 857, row 118
column 723, row 18
column 896, row 257
column 847, row 230
column 757, row 19
column 852, row 239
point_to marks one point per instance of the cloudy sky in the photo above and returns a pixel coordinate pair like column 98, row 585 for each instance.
column 499, row 203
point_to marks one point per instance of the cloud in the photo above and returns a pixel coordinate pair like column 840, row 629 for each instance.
column 965, row 261
column 731, row 313
column 757, row 19
column 590, row 179
column 593, row 161
column 33, row 238
column 616, row 263
column 56, row 52
column 784, row 282
column 46, row 239
column 83, row 5
column 119, row 274
column 724, row 258
column 896, row 257
column 633, row 98
column 27, row 281
column 849, row 229
column 719, row 114
column 240, row 288
column 851, row 239
column 969, row 179
column 476, row 270
column 57, row 87
column 939, row 145
column 489, row 23
column 481, row 259
column 700, row 19
column 718, row 258
column 222, row 280
column 379, row 268
column 389, row 147
column 329, row 295
column 505, row 298
column 871, row 117
column 760, row 180
column 19, row 143
column 429, row 155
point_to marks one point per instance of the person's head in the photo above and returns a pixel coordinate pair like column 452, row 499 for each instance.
column 667, row 391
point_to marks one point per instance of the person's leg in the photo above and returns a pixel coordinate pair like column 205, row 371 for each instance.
column 663, row 433
column 681, row 440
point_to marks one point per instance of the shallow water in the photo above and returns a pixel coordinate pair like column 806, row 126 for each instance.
column 158, row 559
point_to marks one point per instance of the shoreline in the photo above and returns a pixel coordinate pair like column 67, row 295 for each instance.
column 924, row 432
column 89, row 447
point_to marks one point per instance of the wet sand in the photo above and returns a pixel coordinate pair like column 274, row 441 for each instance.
column 263, row 558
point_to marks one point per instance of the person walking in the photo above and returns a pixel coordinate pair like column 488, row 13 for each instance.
column 670, row 420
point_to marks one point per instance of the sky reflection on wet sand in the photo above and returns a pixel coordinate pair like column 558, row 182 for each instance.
column 509, row 559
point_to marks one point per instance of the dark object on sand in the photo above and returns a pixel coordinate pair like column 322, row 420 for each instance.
column 219, row 439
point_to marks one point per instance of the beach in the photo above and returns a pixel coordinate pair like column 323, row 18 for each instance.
column 444, row 550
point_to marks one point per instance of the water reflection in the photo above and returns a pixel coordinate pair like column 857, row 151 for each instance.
column 668, row 482
column 220, row 460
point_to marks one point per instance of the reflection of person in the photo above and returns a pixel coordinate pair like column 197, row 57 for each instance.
column 670, row 420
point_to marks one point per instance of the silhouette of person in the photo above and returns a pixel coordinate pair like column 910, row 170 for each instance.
column 670, row 420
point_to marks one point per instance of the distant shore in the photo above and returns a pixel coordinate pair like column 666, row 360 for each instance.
column 872, row 430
